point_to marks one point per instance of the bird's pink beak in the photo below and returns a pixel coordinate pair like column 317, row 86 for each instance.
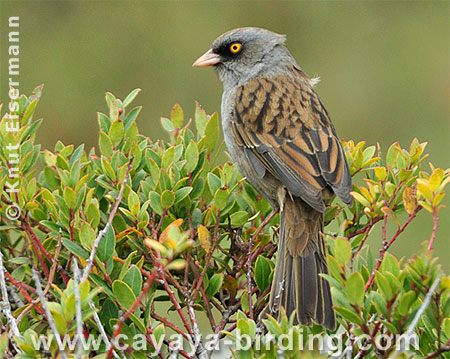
column 209, row 58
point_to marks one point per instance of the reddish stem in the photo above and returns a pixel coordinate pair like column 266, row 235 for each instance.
column 386, row 247
column 433, row 232
column 21, row 287
column 174, row 300
column 169, row 324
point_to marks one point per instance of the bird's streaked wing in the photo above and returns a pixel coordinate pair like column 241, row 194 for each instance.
column 285, row 129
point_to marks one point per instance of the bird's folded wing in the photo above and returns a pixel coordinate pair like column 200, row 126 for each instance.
column 284, row 128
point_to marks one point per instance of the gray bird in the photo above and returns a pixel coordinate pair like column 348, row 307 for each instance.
column 280, row 135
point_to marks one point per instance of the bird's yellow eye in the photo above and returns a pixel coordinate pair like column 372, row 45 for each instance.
column 235, row 47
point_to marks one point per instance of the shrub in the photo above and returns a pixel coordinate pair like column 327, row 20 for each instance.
column 164, row 221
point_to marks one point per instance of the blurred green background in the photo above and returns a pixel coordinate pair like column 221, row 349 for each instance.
column 384, row 68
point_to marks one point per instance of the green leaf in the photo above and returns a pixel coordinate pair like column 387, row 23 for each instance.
column 4, row 340
column 20, row 260
column 182, row 193
column 69, row 307
column 51, row 178
column 108, row 311
column 335, row 269
column 393, row 281
column 361, row 199
column 123, row 294
column 159, row 331
column 108, row 169
column 93, row 215
column 133, row 278
column 168, row 157
column 130, row 118
column 31, row 129
column 214, row 183
column 191, row 156
column 167, row 124
column 105, row 144
column 106, row 246
column 212, row 132
column 104, row 123
column 390, row 264
column 221, row 198
column 167, row 199
column 131, row 96
column 239, row 218
column 133, row 202
column 113, row 106
column 29, row 111
column 139, row 325
column 60, row 321
column 383, row 285
column 262, row 273
column 273, row 326
column 116, row 132
column 380, row 173
column 342, row 251
column 176, row 264
column 215, row 282
column 102, row 284
column 70, row 197
column 392, row 154
column 243, row 327
column 75, row 248
column 244, row 302
column 155, row 202
column 201, row 119
column 87, row 236
column 177, row 116
column 354, row 288
column 348, row 315
column 405, row 303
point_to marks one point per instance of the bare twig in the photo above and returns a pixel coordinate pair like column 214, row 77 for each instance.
column 21, row 287
column 15, row 297
column 206, row 300
column 51, row 321
column 173, row 353
column 6, row 305
column 200, row 351
column 101, row 234
column 362, row 351
column 225, row 318
column 249, row 277
column 79, row 320
column 102, row 331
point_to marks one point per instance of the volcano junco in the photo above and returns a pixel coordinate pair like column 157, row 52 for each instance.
column 279, row 134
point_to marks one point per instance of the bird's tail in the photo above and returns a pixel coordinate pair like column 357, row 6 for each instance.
column 301, row 258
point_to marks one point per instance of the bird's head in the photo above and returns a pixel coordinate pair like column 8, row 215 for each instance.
column 242, row 54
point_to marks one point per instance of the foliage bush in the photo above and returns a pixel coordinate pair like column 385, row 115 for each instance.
column 164, row 221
